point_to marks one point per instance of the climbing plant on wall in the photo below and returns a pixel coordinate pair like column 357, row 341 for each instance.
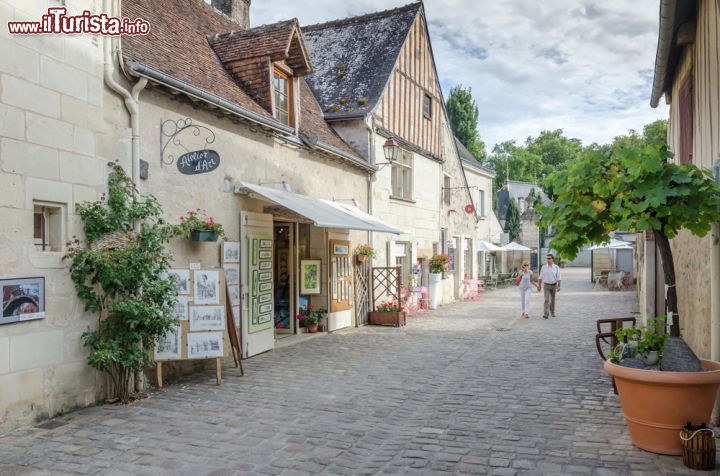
column 119, row 272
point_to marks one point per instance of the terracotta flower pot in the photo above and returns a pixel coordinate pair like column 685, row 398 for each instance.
column 658, row 404
column 312, row 328
column 362, row 258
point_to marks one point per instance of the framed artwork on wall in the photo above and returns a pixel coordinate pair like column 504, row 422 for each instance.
column 22, row 299
column 310, row 276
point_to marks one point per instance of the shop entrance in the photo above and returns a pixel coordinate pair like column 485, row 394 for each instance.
column 284, row 246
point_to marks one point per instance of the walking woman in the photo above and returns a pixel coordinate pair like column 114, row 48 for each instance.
column 526, row 284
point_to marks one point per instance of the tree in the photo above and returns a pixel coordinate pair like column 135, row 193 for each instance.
column 463, row 116
column 634, row 188
column 512, row 220
column 120, row 274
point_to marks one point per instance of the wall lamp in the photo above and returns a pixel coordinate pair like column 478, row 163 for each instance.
column 391, row 149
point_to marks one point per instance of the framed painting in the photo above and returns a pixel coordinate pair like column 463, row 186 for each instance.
column 340, row 249
column 22, row 299
column 181, row 278
column 231, row 252
column 310, row 276
column 265, row 254
column 265, row 243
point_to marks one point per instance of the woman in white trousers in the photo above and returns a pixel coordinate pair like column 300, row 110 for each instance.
column 526, row 283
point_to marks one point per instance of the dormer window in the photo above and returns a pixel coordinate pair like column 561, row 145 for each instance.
column 282, row 97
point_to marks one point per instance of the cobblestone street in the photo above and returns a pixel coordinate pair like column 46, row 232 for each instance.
column 472, row 389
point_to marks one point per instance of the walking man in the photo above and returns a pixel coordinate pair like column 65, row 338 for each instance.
column 549, row 281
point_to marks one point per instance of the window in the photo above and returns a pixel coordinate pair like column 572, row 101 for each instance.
column 402, row 176
column 402, row 259
column 282, row 97
column 481, row 203
column 446, row 190
column 47, row 227
column 427, row 106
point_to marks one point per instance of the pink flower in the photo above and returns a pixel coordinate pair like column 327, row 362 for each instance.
column 299, row 316
column 280, row 326
column 182, row 218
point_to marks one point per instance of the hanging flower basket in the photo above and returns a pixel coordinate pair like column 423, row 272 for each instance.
column 198, row 226
column 203, row 235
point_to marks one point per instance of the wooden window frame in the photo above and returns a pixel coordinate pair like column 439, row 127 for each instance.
column 52, row 226
column 405, row 188
column 290, row 96
column 427, row 99
column 447, row 190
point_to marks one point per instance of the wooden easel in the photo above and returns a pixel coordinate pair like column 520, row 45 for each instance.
column 234, row 341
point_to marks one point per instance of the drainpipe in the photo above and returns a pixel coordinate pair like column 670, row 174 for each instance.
column 370, row 124
column 130, row 98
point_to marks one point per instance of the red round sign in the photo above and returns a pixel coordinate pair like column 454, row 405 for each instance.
column 469, row 208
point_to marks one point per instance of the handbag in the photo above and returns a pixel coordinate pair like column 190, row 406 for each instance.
column 517, row 280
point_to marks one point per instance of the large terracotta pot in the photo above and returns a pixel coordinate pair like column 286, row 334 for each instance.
column 658, row 404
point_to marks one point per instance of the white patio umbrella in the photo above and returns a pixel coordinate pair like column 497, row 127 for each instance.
column 512, row 246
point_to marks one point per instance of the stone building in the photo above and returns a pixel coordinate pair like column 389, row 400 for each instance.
column 480, row 181
column 687, row 74
column 375, row 79
column 200, row 84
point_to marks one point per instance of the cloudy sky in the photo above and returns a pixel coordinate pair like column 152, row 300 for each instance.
column 579, row 65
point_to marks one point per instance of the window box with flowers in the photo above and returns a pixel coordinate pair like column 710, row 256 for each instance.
column 198, row 226
column 310, row 316
column 364, row 253
column 388, row 313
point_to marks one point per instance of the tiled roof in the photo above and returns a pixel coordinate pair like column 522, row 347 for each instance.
column 177, row 45
column 353, row 58
column 276, row 41
column 467, row 158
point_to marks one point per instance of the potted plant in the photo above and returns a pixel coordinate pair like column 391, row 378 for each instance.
column 364, row 253
column 309, row 316
column 439, row 264
column 634, row 187
column 198, row 226
column 388, row 313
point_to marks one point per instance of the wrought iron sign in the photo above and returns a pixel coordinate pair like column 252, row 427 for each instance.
column 191, row 162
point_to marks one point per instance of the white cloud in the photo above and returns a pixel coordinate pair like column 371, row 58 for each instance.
column 579, row 65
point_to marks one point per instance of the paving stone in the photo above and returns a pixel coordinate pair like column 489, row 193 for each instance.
column 443, row 395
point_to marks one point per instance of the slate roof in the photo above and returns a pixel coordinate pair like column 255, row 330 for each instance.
column 467, row 158
column 177, row 45
column 517, row 190
column 353, row 58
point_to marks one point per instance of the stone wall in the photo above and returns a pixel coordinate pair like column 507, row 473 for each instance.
column 56, row 135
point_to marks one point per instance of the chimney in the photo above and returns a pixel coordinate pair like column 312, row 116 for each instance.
column 237, row 10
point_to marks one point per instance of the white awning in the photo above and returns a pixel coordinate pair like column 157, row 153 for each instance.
column 487, row 246
column 323, row 213
column 613, row 244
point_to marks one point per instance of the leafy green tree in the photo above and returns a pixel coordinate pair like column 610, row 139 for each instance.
column 513, row 162
column 512, row 220
column 463, row 115
column 635, row 188
column 120, row 275
column 554, row 148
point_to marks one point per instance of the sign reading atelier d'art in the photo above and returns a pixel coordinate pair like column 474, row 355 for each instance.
column 260, row 281
column 198, row 162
